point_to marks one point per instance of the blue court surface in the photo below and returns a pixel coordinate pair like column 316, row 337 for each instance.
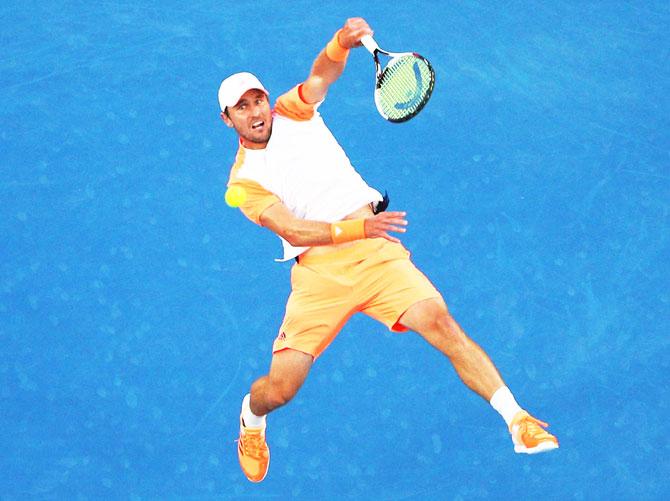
column 136, row 308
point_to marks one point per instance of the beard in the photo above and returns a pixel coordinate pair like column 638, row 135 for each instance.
column 257, row 137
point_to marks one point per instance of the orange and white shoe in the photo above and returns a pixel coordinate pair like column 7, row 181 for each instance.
column 253, row 452
column 529, row 435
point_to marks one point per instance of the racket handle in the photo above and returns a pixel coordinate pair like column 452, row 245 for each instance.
column 370, row 44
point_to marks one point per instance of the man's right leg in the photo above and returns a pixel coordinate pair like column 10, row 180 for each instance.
column 316, row 310
column 288, row 371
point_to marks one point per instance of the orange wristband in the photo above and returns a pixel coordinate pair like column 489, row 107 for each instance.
column 348, row 230
column 335, row 51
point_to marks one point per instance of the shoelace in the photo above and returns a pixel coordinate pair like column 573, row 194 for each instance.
column 252, row 444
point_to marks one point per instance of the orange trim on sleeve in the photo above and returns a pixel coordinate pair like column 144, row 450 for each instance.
column 302, row 98
column 292, row 105
column 239, row 160
column 257, row 198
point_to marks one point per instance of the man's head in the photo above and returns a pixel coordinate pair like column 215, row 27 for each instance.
column 245, row 107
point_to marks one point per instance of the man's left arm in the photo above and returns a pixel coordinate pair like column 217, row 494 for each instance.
column 330, row 63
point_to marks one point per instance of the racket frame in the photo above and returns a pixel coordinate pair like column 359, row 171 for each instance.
column 373, row 48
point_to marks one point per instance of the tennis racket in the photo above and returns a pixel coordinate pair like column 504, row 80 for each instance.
column 404, row 85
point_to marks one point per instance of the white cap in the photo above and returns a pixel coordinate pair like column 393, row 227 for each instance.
column 233, row 87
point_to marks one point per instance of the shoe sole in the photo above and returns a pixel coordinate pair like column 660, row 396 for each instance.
column 542, row 447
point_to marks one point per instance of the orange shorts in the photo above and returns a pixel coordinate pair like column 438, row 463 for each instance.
column 373, row 276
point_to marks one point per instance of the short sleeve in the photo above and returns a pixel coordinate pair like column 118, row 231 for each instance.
column 257, row 198
column 292, row 105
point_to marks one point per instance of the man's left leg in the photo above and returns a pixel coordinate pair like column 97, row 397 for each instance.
column 431, row 319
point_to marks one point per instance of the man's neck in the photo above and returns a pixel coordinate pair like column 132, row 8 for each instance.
column 249, row 145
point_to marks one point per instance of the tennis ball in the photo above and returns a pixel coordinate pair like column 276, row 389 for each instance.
column 236, row 196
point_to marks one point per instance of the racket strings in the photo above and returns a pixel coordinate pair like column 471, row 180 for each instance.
column 405, row 86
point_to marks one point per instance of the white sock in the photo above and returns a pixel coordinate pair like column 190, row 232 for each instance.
column 250, row 419
column 503, row 401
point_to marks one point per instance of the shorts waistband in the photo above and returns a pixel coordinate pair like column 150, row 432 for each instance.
column 357, row 251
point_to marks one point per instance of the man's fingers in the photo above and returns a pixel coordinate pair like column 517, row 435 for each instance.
column 354, row 29
column 391, row 227
column 381, row 224
column 392, row 216
column 395, row 221
column 357, row 23
column 389, row 237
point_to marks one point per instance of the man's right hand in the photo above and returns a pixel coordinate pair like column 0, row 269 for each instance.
column 379, row 225
column 352, row 32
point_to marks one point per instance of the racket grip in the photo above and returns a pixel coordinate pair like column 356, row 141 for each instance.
column 370, row 44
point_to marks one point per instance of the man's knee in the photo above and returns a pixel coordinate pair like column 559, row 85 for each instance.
column 437, row 319
column 448, row 327
column 440, row 328
column 288, row 371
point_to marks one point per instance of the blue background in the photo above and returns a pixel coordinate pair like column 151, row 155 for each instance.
column 136, row 308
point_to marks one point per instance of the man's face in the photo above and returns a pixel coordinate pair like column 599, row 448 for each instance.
column 251, row 118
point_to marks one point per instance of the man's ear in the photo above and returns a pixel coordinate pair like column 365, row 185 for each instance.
column 226, row 119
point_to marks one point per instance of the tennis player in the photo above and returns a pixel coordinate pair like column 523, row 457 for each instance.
column 300, row 184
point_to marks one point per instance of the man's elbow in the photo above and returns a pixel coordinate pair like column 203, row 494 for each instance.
column 314, row 89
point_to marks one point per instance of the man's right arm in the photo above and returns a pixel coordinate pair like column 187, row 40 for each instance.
column 329, row 64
